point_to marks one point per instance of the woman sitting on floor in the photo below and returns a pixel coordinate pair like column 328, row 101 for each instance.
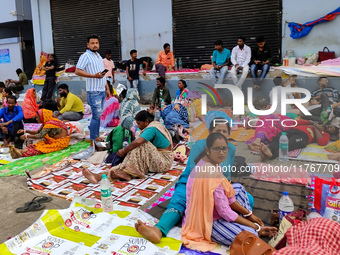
column 177, row 204
column 30, row 107
column 54, row 133
column 151, row 152
column 110, row 115
column 215, row 213
column 128, row 107
column 182, row 92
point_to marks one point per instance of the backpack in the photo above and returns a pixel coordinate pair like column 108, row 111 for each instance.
column 116, row 138
column 147, row 60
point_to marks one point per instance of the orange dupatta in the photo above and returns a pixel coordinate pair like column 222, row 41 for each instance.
column 29, row 106
column 50, row 144
column 196, row 233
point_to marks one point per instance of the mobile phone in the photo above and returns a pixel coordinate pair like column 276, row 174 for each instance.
column 104, row 72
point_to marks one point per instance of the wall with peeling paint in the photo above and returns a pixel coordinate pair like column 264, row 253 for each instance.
column 145, row 26
column 325, row 34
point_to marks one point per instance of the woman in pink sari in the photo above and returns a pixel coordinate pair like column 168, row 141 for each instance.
column 265, row 133
column 110, row 115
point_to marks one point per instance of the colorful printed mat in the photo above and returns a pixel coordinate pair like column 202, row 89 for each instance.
column 200, row 132
column 167, row 195
column 65, row 180
column 85, row 229
column 18, row 167
column 315, row 153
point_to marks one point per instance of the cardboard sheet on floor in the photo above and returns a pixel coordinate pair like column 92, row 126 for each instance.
column 315, row 153
column 18, row 167
column 85, row 229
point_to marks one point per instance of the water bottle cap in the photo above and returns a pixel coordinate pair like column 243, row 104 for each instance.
column 313, row 210
column 283, row 133
column 104, row 176
column 285, row 193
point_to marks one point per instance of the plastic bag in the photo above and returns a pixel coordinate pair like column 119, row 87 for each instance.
column 85, row 154
column 330, row 201
column 311, row 59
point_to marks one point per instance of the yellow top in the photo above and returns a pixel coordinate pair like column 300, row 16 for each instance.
column 71, row 103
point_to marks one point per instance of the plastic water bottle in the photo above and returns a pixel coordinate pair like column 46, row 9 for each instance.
column 191, row 141
column 137, row 134
column 283, row 147
column 141, row 67
column 324, row 116
column 161, row 121
column 180, row 64
column 157, row 115
column 286, row 205
column 313, row 214
column 162, row 103
column 105, row 191
column 125, row 143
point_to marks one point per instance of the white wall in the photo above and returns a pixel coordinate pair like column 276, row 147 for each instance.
column 324, row 34
column 145, row 26
column 6, row 7
column 7, row 70
column 42, row 27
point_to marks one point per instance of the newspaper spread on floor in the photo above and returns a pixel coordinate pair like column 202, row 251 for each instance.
column 85, row 229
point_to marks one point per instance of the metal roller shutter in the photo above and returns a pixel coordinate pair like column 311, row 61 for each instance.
column 72, row 21
column 199, row 23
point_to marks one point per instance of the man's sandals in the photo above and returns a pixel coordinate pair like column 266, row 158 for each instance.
column 34, row 205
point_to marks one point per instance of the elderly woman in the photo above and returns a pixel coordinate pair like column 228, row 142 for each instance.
column 30, row 107
column 151, row 152
column 129, row 108
column 54, row 133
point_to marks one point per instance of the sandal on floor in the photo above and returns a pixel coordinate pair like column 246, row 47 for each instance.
column 40, row 200
column 30, row 207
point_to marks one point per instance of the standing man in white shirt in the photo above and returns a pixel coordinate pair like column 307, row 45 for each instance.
column 240, row 58
column 91, row 66
column 109, row 65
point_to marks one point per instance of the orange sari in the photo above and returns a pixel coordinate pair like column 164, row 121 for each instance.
column 48, row 144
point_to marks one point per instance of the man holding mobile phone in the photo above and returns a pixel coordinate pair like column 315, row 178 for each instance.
column 90, row 65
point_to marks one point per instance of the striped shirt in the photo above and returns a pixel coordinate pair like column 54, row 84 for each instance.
column 328, row 90
column 92, row 63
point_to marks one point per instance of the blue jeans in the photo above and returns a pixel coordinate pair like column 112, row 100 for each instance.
column 96, row 100
column 219, row 73
column 132, row 84
column 254, row 68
